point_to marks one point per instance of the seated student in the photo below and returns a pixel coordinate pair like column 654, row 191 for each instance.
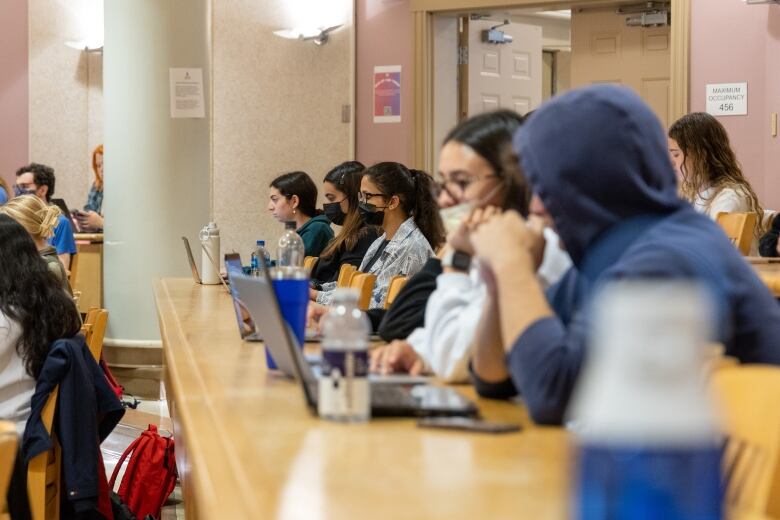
column 709, row 173
column 401, row 202
column 341, row 188
column 479, row 168
column 38, row 179
column 39, row 220
column 4, row 193
column 767, row 245
column 597, row 164
column 293, row 198
column 92, row 218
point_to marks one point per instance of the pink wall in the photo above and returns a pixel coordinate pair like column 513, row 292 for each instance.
column 14, row 119
column 385, row 36
column 732, row 42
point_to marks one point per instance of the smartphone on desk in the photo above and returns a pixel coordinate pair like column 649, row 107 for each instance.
column 468, row 424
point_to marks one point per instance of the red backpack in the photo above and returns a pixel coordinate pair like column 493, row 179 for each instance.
column 150, row 475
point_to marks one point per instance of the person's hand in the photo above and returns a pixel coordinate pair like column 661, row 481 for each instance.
column 460, row 238
column 398, row 356
column 506, row 239
column 90, row 220
column 313, row 294
column 314, row 314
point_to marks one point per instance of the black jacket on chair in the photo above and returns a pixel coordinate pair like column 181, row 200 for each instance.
column 87, row 411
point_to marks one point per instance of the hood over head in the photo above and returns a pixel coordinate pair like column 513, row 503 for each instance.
column 597, row 156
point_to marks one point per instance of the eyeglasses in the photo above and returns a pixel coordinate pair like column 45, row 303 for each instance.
column 365, row 196
column 456, row 188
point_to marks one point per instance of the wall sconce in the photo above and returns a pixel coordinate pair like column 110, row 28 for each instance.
column 91, row 47
column 319, row 35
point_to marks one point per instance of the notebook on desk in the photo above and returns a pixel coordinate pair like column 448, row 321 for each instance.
column 390, row 397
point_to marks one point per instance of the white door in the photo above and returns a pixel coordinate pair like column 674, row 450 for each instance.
column 505, row 75
column 605, row 50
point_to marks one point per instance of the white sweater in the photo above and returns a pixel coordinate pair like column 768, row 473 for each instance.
column 454, row 312
column 16, row 385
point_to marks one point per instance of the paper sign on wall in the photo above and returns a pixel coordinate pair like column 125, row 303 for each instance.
column 387, row 94
column 727, row 99
column 187, row 93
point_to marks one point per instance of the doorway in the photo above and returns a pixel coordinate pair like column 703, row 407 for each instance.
column 626, row 42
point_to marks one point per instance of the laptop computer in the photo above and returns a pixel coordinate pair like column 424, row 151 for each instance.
column 194, row 268
column 388, row 399
column 246, row 325
column 74, row 223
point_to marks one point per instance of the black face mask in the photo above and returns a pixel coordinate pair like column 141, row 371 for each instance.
column 371, row 215
column 333, row 212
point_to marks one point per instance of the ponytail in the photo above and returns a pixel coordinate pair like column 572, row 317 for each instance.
column 415, row 190
column 426, row 210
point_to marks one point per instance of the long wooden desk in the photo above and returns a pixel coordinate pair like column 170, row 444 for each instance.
column 247, row 446
column 769, row 272
column 89, row 278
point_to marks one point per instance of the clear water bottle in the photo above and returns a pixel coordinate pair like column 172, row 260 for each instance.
column 259, row 252
column 291, row 253
column 647, row 434
column 344, row 389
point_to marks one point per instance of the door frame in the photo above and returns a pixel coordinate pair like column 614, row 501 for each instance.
column 423, row 11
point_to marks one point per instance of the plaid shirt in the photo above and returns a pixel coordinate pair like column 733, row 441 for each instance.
column 404, row 255
column 94, row 200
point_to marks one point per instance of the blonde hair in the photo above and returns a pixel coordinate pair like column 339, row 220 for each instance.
column 37, row 217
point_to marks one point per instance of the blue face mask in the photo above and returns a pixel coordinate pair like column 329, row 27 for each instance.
column 18, row 191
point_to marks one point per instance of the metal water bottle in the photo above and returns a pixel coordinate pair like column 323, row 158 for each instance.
column 209, row 262
column 648, row 440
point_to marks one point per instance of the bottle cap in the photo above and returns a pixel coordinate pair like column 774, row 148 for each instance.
column 345, row 294
column 289, row 225
column 260, row 243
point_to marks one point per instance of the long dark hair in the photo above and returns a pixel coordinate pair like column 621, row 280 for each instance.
column 490, row 136
column 346, row 178
column 31, row 296
column 300, row 184
column 705, row 146
column 415, row 190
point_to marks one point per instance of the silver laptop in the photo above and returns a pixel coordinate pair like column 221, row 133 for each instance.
column 246, row 325
column 194, row 268
column 390, row 397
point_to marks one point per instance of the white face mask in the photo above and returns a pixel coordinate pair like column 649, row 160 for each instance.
column 454, row 215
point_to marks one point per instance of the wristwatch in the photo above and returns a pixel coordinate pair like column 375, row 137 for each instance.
column 457, row 260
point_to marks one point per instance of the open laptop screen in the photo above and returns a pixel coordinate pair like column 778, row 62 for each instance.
column 244, row 320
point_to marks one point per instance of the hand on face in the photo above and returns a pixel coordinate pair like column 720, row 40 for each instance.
column 507, row 239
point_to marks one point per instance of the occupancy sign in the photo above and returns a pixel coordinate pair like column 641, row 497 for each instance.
column 727, row 99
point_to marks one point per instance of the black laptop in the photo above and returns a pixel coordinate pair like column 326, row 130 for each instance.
column 387, row 400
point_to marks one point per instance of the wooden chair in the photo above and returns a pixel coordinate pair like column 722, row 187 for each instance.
column 739, row 227
column 8, row 445
column 345, row 275
column 43, row 472
column 751, row 458
column 364, row 283
column 396, row 284
column 309, row 262
column 94, row 330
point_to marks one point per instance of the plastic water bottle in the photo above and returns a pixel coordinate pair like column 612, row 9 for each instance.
column 291, row 253
column 648, row 440
column 259, row 252
column 209, row 258
column 344, row 389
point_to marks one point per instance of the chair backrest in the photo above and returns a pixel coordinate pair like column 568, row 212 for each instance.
column 8, row 445
column 94, row 330
column 396, row 284
column 309, row 262
column 43, row 472
column 751, row 459
column 364, row 283
column 345, row 275
column 739, row 227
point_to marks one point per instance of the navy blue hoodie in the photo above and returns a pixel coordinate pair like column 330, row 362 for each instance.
column 597, row 158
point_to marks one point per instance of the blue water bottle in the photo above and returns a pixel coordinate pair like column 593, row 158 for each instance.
column 648, row 444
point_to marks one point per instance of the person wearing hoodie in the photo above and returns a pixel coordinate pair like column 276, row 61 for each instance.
column 293, row 198
column 597, row 163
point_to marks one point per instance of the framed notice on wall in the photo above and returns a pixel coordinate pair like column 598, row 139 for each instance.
column 727, row 99
column 387, row 94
